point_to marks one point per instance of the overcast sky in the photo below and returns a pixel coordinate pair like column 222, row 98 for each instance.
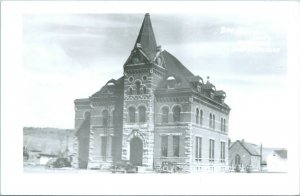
column 72, row 56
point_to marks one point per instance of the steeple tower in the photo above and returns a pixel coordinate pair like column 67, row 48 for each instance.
column 146, row 39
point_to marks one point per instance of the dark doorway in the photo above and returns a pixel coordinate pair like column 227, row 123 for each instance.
column 136, row 151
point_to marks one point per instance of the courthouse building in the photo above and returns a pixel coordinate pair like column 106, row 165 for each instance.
column 157, row 111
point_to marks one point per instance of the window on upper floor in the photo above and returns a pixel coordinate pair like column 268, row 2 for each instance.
column 142, row 114
column 197, row 116
column 115, row 117
column 201, row 117
column 144, row 90
column 214, row 122
column 165, row 115
column 105, row 118
column 130, row 91
column 176, row 114
column 131, row 112
column 222, row 124
column 138, row 87
column 210, row 120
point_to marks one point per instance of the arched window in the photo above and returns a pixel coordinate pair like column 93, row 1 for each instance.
column 105, row 118
column 138, row 87
column 237, row 159
column 131, row 111
column 144, row 90
column 115, row 116
column 165, row 115
column 222, row 126
column 130, row 91
column 210, row 120
column 197, row 116
column 201, row 117
column 214, row 122
column 176, row 114
column 142, row 114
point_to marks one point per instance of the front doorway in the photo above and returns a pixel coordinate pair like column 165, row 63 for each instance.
column 136, row 151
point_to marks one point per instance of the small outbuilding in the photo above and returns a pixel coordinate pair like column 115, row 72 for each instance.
column 243, row 155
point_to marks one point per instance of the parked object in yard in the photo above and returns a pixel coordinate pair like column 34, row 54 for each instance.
column 248, row 169
column 58, row 163
column 169, row 167
column 124, row 167
column 237, row 168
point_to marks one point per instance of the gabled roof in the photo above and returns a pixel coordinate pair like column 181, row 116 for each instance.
column 174, row 66
column 281, row 153
column 176, row 69
column 252, row 149
column 266, row 152
column 111, row 87
column 146, row 38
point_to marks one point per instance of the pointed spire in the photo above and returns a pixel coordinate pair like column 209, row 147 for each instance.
column 146, row 39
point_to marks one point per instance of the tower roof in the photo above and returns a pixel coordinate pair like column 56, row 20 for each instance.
column 146, row 38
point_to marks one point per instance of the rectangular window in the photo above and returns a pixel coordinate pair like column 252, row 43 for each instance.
column 211, row 150
column 103, row 145
column 222, row 151
column 176, row 145
column 221, row 124
column 198, row 149
column 164, row 146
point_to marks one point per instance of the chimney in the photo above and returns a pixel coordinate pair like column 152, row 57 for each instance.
column 243, row 140
column 158, row 48
column 138, row 45
column 207, row 80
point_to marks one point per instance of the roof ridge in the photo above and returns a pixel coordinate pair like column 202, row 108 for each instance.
column 187, row 71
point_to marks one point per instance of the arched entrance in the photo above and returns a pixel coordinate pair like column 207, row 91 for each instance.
column 136, row 151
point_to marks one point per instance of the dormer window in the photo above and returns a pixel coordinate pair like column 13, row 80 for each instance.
column 110, row 84
column 158, row 60
column 170, row 78
column 171, row 82
column 198, row 88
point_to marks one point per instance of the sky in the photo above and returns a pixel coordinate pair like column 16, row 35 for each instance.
column 70, row 56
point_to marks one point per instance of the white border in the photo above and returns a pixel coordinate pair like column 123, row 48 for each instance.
column 14, row 181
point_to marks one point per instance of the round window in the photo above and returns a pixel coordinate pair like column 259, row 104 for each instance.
column 130, row 79
column 144, row 78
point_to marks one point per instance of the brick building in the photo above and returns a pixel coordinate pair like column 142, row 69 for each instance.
column 243, row 154
column 157, row 111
